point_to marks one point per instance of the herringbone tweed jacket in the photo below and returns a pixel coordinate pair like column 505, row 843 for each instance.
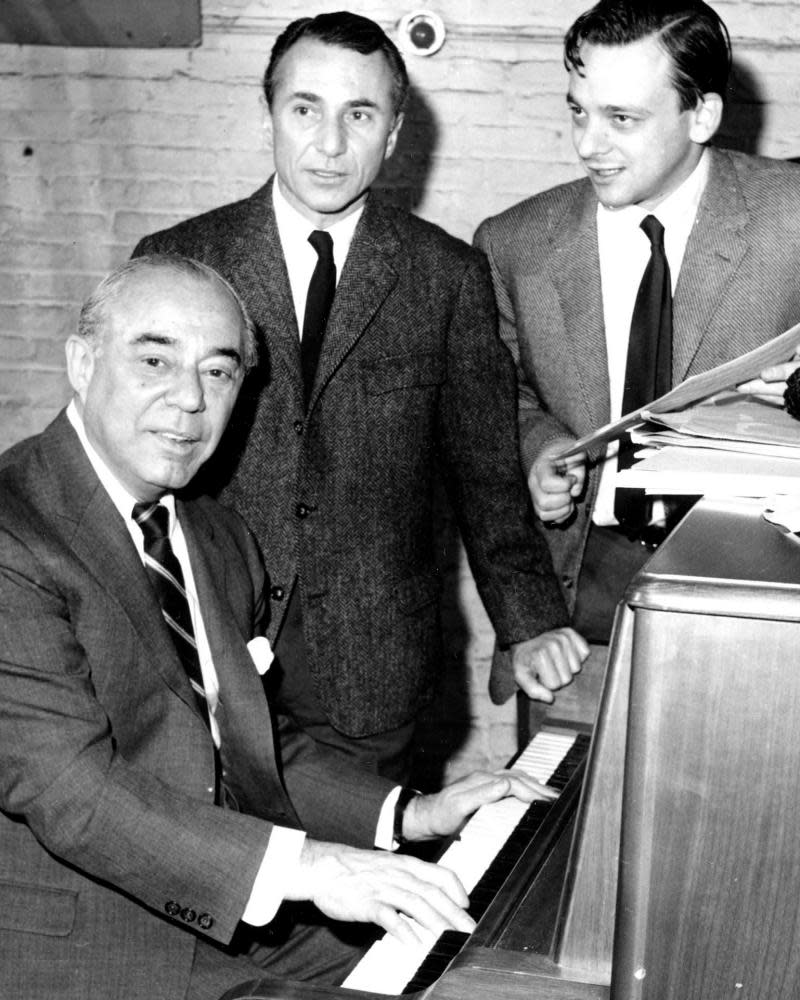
column 413, row 382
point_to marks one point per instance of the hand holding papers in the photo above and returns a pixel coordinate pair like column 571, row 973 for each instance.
column 731, row 444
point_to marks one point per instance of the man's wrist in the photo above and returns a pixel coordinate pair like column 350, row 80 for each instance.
column 403, row 799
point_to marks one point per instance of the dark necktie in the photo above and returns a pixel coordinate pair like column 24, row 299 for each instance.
column 321, row 290
column 648, row 372
column 164, row 573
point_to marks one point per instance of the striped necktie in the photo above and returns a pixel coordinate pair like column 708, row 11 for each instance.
column 166, row 577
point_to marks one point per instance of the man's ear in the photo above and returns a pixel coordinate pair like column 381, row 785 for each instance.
column 391, row 141
column 81, row 359
column 266, row 128
column 707, row 118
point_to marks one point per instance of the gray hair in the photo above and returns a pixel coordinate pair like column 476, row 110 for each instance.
column 94, row 316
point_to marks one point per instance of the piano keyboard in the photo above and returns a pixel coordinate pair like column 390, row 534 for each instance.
column 391, row 967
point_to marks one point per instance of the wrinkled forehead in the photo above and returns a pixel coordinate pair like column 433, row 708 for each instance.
column 186, row 309
column 316, row 67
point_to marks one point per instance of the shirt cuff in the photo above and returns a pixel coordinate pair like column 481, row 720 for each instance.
column 384, row 834
column 278, row 867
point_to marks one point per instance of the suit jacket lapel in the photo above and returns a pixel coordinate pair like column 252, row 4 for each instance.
column 94, row 529
column 367, row 279
column 574, row 269
column 713, row 254
column 256, row 257
column 243, row 716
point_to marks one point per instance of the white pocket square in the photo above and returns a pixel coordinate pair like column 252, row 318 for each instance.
column 261, row 652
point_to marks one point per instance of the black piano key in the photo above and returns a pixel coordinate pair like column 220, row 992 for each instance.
column 449, row 944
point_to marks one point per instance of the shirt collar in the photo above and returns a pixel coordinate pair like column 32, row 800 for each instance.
column 294, row 228
column 120, row 497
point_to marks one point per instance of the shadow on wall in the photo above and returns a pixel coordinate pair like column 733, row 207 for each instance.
column 404, row 177
column 743, row 121
column 445, row 724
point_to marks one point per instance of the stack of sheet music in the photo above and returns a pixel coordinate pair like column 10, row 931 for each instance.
column 731, row 445
column 703, row 438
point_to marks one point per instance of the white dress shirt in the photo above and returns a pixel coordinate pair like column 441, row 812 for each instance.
column 624, row 251
column 281, row 858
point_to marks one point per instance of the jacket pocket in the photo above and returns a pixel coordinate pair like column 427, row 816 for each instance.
column 402, row 371
column 416, row 592
column 36, row 909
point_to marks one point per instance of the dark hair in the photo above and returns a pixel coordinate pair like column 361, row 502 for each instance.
column 349, row 31
column 691, row 33
column 93, row 318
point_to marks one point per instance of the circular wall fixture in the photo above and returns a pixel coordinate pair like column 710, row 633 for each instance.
column 421, row 33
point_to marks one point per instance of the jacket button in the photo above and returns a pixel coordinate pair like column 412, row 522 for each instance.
column 188, row 915
column 277, row 593
column 301, row 510
column 298, row 426
column 172, row 908
column 204, row 921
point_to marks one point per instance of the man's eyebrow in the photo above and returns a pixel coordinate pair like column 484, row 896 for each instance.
column 613, row 109
column 162, row 340
column 227, row 352
column 154, row 338
column 625, row 109
column 356, row 102
column 363, row 102
column 305, row 95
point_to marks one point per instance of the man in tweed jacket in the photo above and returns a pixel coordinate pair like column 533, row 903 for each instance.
column 646, row 83
column 412, row 382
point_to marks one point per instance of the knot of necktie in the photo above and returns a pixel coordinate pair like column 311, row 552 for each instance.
column 322, row 243
column 153, row 519
column 654, row 231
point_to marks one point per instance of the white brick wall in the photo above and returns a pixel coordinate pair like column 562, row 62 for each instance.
column 100, row 146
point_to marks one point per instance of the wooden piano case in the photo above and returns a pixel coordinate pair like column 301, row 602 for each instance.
column 682, row 878
column 671, row 870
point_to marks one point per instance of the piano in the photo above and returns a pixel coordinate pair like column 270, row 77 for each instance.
column 669, row 866
column 483, row 856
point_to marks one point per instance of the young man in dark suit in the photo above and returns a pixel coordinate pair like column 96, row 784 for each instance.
column 646, row 88
column 153, row 813
column 337, row 448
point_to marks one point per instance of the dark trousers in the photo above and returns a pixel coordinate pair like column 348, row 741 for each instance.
column 293, row 692
column 610, row 562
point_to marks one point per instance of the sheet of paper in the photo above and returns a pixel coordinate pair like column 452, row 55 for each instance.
column 732, row 416
column 729, row 421
column 698, row 387
column 647, row 436
column 713, row 473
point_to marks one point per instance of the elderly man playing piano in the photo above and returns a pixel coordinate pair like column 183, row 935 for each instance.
column 154, row 816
